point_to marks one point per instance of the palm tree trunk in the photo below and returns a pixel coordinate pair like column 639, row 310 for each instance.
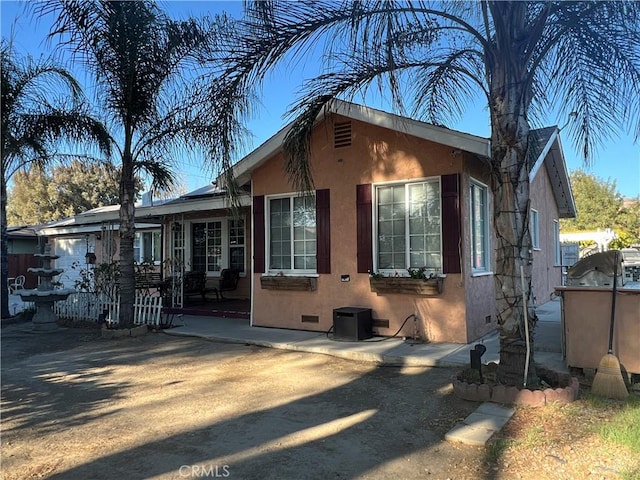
column 510, row 185
column 4, row 250
column 127, row 234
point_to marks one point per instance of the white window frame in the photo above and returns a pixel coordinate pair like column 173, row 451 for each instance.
column 557, row 253
column 156, row 240
column 403, row 272
column 184, row 251
column 486, row 247
column 267, row 238
column 534, row 228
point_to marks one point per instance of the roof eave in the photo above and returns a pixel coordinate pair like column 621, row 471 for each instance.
column 552, row 157
column 456, row 140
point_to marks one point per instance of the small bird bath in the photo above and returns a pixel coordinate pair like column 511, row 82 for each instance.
column 45, row 295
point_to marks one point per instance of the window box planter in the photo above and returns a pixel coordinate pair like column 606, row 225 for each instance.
column 280, row 282
column 406, row 285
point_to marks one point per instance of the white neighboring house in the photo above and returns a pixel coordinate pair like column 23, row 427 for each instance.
column 602, row 238
column 92, row 236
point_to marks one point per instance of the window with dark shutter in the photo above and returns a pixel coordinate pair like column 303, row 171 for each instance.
column 258, row 234
column 364, row 228
column 323, row 226
column 451, row 227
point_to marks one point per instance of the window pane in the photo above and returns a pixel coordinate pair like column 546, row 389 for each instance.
column 292, row 231
column 136, row 247
column 424, row 225
column 147, row 246
column 479, row 255
column 214, row 246
column 199, row 247
column 391, row 227
column 157, row 246
column 236, row 258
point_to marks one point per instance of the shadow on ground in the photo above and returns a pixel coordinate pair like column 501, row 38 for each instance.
column 169, row 407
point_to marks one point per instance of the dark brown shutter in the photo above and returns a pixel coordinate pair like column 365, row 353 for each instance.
column 451, row 230
column 258, row 234
column 323, row 223
column 364, row 228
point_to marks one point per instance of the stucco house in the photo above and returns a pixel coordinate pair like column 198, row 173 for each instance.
column 196, row 232
column 391, row 193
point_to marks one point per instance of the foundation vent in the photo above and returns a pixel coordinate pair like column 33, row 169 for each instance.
column 342, row 134
column 310, row 319
column 380, row 323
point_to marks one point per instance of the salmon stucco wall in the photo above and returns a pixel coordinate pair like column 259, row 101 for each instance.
column 546, row 275
column 375, row 155
column 479, row 287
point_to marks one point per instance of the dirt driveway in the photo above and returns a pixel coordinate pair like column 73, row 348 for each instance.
column 75, row 406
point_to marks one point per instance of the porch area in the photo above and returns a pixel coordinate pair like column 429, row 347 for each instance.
column 225, row 307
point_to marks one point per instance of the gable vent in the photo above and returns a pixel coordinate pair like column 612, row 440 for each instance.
column 342, row 134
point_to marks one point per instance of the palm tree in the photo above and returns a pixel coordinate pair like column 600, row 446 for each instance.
column 523, row 59
column 141, row 62
column 42, row 105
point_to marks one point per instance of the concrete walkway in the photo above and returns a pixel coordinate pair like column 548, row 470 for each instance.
column 475, row 430
column 388, row 351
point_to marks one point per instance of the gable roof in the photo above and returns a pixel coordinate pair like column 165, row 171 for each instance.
column 545, row 147
column 445, row 136
column 205, row 198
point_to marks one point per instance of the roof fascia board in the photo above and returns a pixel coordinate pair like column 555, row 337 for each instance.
column 444, row 136
column 458, row 140
column 565, row 178
column 543, row 154
column 76, row 224
column 197, row 205
column 67, row 230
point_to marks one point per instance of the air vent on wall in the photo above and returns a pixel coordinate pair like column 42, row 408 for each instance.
column 310, row 319
column 342, row 134
column 380, row 323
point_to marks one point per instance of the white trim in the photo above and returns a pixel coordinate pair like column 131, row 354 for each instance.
column 444, row 136
column 267, row 234
column 486, row 270
column 557, row 248
column 534, row 228
column 91, row 229
column 374, row 230
column 481, row 274
column 225, row 258
column 543, row 154
column 290, row 274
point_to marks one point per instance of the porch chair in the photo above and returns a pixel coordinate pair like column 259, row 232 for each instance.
column 17, row 284
column 227, row 282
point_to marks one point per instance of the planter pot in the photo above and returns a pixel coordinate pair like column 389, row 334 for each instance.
column 289, row 283
column 407, row 286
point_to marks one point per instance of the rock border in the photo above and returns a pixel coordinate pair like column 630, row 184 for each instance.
column 566, row 393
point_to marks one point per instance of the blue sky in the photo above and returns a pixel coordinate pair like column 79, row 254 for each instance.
column 617, row 160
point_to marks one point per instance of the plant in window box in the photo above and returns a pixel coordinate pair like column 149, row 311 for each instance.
column 418, row 282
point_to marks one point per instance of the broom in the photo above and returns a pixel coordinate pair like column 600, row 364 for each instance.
column 608, row 381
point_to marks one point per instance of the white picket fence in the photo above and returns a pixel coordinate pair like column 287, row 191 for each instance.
column 90, row 306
